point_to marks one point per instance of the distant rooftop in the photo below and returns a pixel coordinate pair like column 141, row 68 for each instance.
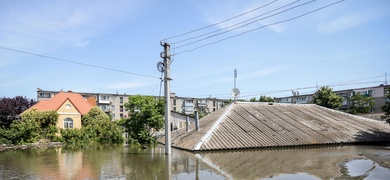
column 245, row 125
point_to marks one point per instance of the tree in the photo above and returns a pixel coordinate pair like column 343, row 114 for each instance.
column 33, row 126
column 386, row 111
column 10, row 108
column 253, row 99
column 327, row 98
column 146, row 117
column 96, row 129
column 266, row 99
column 361, row 104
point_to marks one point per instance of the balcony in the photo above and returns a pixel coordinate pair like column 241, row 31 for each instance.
column 202, row 103
column 188, row 108
column 104, row 101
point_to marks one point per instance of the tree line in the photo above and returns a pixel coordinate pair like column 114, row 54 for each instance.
column 145, row 119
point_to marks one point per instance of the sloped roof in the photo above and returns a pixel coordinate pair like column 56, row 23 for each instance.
column 82, row 105
column 257, row 125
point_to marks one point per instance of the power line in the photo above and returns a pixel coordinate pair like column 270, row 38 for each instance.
column 251, row 94
column 78, row 63
column 195, row 37
column 271, row 24
column 220, row 21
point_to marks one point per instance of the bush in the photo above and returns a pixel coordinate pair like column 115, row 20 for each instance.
column 96, row 129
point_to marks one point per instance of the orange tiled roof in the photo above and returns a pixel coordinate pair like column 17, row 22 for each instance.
column 82, row 105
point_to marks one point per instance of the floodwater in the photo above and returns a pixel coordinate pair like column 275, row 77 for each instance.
column 119, row 162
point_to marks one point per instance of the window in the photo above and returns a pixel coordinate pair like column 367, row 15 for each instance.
column 174, row 101
column 112, row 107
column 44, row 95
column 121, row 99
column 68, row 106
column 121, row 108
column 174, row 108
column 121, row 115
column 68, row 123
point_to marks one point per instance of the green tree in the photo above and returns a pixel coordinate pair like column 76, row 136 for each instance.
column 266, row 99
column 386, row 111
column 33, row 126
column 253, row 99
column 10, row 108
column 361, row 104
column 146, row 117
column 327, row 98
column 96, row 129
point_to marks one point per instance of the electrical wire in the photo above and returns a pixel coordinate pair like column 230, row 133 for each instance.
column 248, row 20
column 78, row 63
column 220, row 21
column 251, row 94
column 251, row 30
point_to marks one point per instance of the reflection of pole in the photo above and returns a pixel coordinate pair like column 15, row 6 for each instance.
column 167, row 92
column 197, row 169
column 168, row 167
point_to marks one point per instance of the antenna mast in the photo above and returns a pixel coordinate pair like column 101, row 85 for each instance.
column 235, row 92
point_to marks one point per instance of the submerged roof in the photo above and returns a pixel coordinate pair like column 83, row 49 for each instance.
column 82, row 105
column 257, row 125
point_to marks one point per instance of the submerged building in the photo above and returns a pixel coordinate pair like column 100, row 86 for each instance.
column 246, row 125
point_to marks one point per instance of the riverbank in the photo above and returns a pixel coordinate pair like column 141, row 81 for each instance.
column 5, row 147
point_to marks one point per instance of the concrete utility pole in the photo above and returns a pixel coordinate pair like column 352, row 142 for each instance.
column 167, row 93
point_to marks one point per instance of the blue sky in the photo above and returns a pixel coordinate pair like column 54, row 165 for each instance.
column 347, row 43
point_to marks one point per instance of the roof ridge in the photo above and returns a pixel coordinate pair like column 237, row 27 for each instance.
column 213, row 127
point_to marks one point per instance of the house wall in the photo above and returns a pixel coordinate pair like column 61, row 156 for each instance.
column 72, row 112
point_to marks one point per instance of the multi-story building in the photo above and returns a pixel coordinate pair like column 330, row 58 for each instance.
column 113, row 104
column 379, row 93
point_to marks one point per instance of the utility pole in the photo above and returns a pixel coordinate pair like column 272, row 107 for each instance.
column 166, row 55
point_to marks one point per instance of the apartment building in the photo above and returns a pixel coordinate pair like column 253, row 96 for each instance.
column 377, row 92
column 113, row 104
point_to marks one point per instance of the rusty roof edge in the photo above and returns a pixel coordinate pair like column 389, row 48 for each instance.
column 211, row 130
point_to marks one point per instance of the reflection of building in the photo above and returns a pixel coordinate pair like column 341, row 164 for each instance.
column 377, row 92
column 113, row 104
column 69, row 107
column 322, row 163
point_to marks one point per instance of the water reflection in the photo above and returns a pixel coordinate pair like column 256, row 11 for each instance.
column 350, row 162
column 313, row 163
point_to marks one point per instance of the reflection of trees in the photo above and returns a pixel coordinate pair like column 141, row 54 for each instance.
column 29, row 163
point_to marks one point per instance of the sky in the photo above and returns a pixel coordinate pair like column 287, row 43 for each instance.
column 114, row 46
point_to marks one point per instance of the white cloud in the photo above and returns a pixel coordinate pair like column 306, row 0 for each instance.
column 54, row 23
column 341, row 23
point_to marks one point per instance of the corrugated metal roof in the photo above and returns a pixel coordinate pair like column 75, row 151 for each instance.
column 245, row 125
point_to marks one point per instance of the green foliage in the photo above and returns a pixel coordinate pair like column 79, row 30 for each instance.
column 32, row 127
column 252, row 99
column 266, row 99
column 96, row 129
column 10, row 108
column 386, row 111
column 327, row 98
column 146, row 117
column 361, row 104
